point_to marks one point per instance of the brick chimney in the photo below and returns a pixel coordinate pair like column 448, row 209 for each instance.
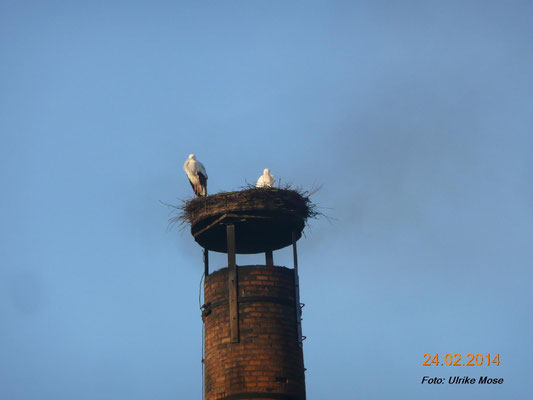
column 252, row 313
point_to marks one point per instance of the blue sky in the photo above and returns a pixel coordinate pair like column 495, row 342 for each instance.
column 416, row 117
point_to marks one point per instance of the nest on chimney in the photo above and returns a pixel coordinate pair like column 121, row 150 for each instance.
column 284, row 200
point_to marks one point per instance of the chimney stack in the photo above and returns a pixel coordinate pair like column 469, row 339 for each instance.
column 252, row 313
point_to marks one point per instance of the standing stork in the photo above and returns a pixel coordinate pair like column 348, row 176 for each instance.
column 197, row 176
column 266, row 180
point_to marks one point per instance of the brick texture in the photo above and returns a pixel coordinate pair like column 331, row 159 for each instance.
column 267, row 359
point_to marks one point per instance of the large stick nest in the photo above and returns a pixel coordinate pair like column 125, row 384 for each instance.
column 283, row 200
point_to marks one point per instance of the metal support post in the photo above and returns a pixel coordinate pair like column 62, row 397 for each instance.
column 232, row 284
column 269, row 258
column 206, row 262
column 297, row 290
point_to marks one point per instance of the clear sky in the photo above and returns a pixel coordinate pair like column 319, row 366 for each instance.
column 416, row 116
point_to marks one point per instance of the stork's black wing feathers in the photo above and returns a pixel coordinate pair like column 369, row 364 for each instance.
column 203, row 179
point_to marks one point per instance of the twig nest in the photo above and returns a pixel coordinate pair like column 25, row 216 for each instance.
column 265, row 219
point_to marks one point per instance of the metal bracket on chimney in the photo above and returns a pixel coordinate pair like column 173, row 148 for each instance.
column 232, row 285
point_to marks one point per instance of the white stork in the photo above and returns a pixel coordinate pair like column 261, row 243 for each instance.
column 266, row 180
column 197, row 176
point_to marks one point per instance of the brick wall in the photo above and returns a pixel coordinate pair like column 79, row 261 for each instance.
column 267, row 361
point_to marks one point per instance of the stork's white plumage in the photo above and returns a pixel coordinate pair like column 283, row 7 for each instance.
column 266, row 180
column 197, row 176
